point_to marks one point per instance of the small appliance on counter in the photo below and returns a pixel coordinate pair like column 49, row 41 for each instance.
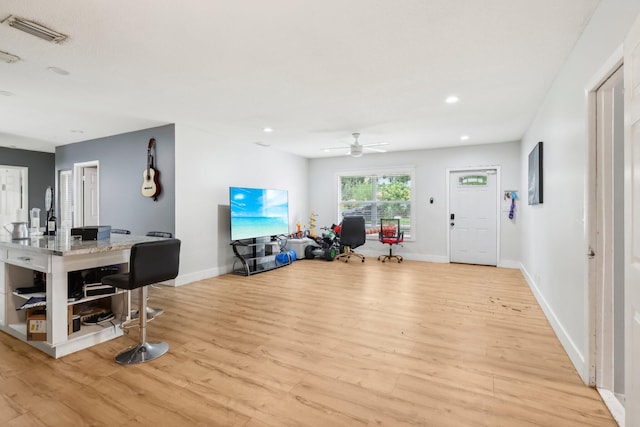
column 98, row 232
column 18, row 231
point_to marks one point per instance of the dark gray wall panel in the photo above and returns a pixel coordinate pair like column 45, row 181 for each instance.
column 123, row 158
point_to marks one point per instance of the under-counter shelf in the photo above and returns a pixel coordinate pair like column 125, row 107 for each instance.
column 97, row 297
column 87, row 330
column 20, row 328
column 27, row 296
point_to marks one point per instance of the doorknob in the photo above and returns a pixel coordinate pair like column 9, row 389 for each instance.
column 591, row 253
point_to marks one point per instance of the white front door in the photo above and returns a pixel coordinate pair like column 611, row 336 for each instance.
column 90, row 196
column 473, row 199
column 13, row 193
column 632, row 224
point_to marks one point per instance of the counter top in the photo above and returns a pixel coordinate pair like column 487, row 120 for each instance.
column 64, row 245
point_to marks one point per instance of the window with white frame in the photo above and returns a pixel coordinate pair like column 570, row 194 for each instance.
column 378, row 195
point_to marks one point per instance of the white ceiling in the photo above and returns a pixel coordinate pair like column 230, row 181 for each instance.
column 314, row 71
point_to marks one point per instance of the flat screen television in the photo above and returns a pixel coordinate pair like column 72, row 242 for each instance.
column 258, row 212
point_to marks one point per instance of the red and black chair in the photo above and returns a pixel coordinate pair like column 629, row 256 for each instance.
column 390, row 234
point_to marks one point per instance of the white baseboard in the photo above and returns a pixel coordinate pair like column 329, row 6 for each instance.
column 184, row 279
column 614, row 405
column 576, row 356
column 428, row 258
column 509, row 263
column 410, row 256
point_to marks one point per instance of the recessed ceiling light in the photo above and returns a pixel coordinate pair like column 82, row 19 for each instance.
column 452, row 99
column 8, row 58
column 267, row 130
column 464, row 137
column 58, row 71
column 6, row 93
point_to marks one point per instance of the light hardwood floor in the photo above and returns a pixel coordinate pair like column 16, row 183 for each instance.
column 320, row 344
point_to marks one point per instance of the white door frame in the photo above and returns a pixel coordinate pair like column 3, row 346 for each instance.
column 78, row 196
column 24, row 190
column 599, row 310
column 448, row 172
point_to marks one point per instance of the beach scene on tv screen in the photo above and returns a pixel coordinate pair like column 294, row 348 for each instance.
column 258, row 212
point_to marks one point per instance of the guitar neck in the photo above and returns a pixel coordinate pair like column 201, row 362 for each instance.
column 152, row 143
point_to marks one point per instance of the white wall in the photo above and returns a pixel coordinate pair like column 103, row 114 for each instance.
column 431, row 219
column 206, row 166
column 554, row 240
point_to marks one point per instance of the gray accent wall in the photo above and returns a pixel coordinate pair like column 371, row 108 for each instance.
column 41, row 172
column 122, row 161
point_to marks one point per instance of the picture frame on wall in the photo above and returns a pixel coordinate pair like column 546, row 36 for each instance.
column 535, row 175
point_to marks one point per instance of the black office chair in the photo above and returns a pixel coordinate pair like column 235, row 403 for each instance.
column 166, row 234
column 120, row 231
column 352, row 235
column 390, row 234
column 149, row 262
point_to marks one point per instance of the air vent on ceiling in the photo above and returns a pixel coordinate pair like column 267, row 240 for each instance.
column 34, row 29
column 8, row 58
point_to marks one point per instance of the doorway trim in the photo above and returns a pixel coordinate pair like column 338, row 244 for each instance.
column 597, row 313
column 78, row 196
column 24, row 186
column 448, row 172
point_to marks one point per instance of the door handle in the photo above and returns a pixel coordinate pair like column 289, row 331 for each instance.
column 591, row 253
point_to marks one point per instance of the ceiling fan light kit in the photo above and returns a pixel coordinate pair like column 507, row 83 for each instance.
column 34, row 29
column 356, row 149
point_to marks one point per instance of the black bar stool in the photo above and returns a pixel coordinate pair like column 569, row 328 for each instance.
column 149, row 262
column 153, row 312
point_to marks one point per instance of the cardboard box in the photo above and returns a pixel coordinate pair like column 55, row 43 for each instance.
column 70, row 320
column 37, row 324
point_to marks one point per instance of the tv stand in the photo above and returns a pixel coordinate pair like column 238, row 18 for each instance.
column 257, row 255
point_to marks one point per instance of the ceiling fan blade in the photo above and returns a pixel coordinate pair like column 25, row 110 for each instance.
column 346, row 147
column 377, row 150
column 375, row 144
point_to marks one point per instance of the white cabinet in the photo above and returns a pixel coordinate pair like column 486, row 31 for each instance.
column 17, row 267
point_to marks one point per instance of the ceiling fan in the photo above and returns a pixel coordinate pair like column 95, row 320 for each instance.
column 356, row 149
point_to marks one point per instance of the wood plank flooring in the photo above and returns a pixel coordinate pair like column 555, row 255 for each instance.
column 320, row 344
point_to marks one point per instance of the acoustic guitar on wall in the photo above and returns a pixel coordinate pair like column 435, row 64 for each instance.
column 150, row 176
